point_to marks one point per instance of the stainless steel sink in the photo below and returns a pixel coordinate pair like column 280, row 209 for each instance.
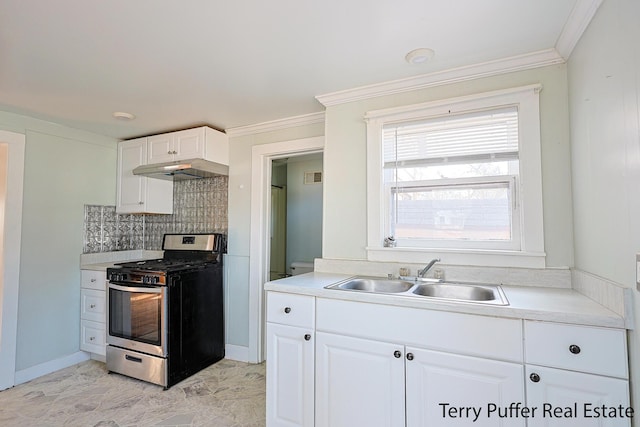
column 461, row 291
column 446, row 291
column 385, row 286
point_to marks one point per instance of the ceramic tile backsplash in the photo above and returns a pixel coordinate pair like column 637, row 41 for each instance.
column 199, row 206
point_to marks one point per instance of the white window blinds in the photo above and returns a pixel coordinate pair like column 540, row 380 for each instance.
column 478, row 136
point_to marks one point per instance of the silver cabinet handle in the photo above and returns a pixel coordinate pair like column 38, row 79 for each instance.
column 92, row 338
column 287, row 310
column 92, row 306
column 93, row 280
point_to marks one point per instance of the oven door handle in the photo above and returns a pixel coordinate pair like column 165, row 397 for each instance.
column 135, row 289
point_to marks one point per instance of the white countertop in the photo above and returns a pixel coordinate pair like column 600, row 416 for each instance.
column 102, row 260
column 99, row 266
column 525, row 302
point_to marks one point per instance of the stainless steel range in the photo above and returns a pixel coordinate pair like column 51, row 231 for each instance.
column 165, row 316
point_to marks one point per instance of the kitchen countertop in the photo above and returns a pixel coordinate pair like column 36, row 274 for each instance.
column 101, row 266
column 525, row 302
column 103, row 260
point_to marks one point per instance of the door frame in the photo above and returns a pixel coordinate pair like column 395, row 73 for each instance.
column 261, row 157
column 12, row 230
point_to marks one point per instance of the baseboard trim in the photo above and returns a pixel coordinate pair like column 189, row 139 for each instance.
column 236, row 352
column 34, row 372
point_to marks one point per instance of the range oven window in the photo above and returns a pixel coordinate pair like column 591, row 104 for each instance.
column 136, row 315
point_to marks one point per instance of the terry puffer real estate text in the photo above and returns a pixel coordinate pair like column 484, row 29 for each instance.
column 547, row 410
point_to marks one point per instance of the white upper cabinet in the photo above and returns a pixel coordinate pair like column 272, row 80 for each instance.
column 138, row 194
column 198, row 143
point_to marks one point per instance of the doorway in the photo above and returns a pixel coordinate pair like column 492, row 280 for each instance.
column 262, row 157
column 296, row 214
column 12, row 146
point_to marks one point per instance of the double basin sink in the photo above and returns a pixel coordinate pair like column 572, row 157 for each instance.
column 445, row 291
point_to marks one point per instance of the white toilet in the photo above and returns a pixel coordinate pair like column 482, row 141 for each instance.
column 300, row 267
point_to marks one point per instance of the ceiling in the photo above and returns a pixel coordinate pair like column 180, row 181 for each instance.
column 228, row 64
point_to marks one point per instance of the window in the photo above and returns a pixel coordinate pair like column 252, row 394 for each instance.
column 450, row 181
column 460, row 176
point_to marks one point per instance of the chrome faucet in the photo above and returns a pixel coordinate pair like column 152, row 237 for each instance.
column 422, row 272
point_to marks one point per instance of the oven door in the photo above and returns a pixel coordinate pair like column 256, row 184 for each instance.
column 137, row 317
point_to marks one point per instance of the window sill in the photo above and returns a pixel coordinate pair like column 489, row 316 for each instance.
column 489, row 258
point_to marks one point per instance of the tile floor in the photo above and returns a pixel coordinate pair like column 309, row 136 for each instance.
column 226, row 394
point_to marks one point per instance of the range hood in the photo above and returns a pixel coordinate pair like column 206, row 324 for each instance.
column 182, row 170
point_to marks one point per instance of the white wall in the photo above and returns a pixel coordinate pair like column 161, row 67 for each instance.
column 304, row 213
column 604, row 90
column 345, row 232
column 238, row 249
column 64, row 169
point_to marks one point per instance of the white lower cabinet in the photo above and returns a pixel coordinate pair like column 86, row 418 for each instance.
column 565, row 398
column 290, row 371
column 290, row 360
column 439, row 384
column 93, row 311
column 392, row 366
column 93, row 337
column 358, row 382
column 362, row 382
column 576, row 375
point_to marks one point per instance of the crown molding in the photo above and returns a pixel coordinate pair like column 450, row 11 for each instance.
column 578, row 21
column 485, row 69
column 286, row 123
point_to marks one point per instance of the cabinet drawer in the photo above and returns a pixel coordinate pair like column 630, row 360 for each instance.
column 92, row 337
column 576, row 348
column 93, row 279
column 288, row 309
column 93, row 305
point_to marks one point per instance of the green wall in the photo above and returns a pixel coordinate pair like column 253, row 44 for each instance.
column 64, row 169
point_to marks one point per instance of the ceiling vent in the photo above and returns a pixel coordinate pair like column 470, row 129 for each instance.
column 313, row 177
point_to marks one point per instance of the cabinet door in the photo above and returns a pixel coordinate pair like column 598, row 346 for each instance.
column 161, row 148
column 564, row 395
column 438, row 384
column 136, row 194
column 358, row 382
column 131, row 189
column 189, row 144
column 290, row 382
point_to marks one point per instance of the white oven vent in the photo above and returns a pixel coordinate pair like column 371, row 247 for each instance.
column 313, row 177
